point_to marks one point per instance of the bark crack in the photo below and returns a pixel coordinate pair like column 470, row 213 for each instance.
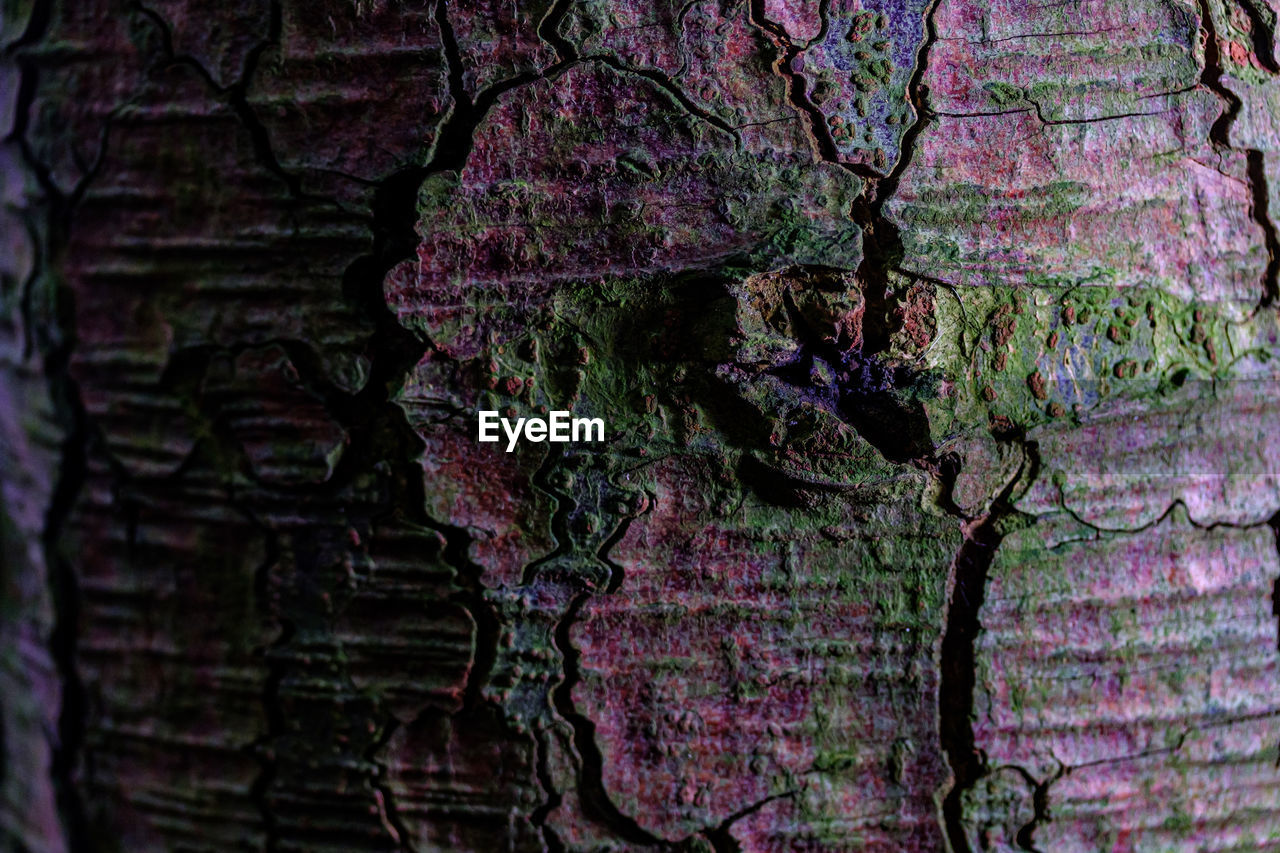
column 957, row 661
column 824, row 146
column 1262, row 31
column 392, row 822
column 261, row 747
column 549, row 31
column 1274, row 523
column 1025, row 837
column 1220, row 136
column 591, row 788
column 881, row 240
column 235, row 96
column 52, row 338
column 565, row 505
column 553, row 797
column 721, row 837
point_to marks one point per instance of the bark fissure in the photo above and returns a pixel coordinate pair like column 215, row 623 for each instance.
column 591, row 788
column 52, row 339
column 671, row 88
column 1274, row 523
column 261, row 747
column 1220, row 135
column 1262, row 26
column 277, row 726
column 64, row 640
column 565, row 505
column 957, row 660
column 553, row 798
column 390, row 812
column 720, row 837
column 549, row 30
column 958, row 674
column 819, row 134
column 561, row 758
column 235, row 96
column 881, row 239
column 1025, row 836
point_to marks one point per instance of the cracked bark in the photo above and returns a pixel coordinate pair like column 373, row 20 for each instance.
column 956, row 660
column 1220, row 134
column 904, row 494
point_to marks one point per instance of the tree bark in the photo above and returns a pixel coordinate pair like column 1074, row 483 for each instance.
column 935, row 347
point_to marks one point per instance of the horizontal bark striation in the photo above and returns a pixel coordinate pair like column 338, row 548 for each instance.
column 1133, row 677
column 752, row 658
column 240, row 542
column 1075, row 145
column 32, row 439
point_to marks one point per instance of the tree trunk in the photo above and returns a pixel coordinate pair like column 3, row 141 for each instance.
column 934, row 344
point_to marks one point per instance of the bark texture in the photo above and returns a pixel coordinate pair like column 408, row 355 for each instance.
column 936, row 342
